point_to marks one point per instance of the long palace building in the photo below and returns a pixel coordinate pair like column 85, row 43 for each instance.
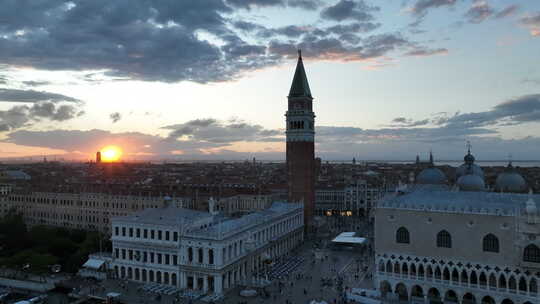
column 300, row 131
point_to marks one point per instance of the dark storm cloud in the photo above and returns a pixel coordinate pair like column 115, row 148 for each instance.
column 33, row 83
column 357, row 10
column 170, row 40
column 512, row 112
column 14, row 95
column 532, row 22
column 211, row 130
column 508, row 11
column 305, row 4
column 426, row 52
column 479, row 11
column 337, row 49
column 115, row 117
column 24, row 116
column 141, row 39
column 421, row 7
column 248, row 4
column 407, row 122
column 355, row 28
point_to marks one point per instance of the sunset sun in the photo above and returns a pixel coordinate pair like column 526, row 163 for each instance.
column 111, row 153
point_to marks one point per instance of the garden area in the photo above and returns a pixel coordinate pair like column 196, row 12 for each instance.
column 38, row 249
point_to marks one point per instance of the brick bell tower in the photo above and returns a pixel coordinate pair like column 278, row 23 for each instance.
column 301, row 143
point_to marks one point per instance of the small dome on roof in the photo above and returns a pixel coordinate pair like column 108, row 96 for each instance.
column 471, row 182
column 510, row 181
column 469, row 158
column 431, row 176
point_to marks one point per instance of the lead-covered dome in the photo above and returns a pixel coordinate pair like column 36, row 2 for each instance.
column 431, row 176
column 510, row 181
column 471, row 182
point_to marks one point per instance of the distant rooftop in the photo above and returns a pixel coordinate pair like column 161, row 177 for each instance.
column 165, row 216
column 231, row 226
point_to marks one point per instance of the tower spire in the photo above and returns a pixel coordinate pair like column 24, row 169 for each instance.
column 300, row 85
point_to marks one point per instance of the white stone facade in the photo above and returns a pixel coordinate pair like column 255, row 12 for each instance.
column 197, row 251
column 435, row 245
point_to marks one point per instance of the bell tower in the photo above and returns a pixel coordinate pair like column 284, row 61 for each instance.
column 300, row 135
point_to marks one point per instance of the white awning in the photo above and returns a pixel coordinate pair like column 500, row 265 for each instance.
column 348, row 237
column 93, row 264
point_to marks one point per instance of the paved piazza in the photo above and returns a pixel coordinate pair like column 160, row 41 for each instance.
column 345, row 263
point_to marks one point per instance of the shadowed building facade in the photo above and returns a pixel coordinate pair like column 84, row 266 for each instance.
column 300, row 131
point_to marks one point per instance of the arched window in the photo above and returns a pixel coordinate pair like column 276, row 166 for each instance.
column 531, row 254
column 402, row 236
column 444, row 239
column 490, row 243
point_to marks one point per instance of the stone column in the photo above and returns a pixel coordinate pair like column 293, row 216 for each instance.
column 205, row 283
column 218, row 284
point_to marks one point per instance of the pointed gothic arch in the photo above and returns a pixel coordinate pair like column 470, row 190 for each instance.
column 512, row 285
column 482, row 279
column 522, row 284
column 502, row 281
column 492, row 280
column 464, row 276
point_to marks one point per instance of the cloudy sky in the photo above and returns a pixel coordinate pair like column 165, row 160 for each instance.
column 192, row 79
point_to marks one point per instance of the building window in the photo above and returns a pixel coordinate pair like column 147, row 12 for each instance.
column 531, row 254
column 123, row 231
column 152, row 234
column 159, row 234
column 123, row 254
column 130, row 232
column 444, row 239
column 175, row 260
column 490, row 243
column 145, row 257
column 145, row 233
column 200, row 251
column 167, row 257
column 115, row 230
column 402, row 236
column 117, row 253
column 167, row 235
column 151, row 257
column 138, row 233
column 190, row 254
column 175, row 236
column 210, row 256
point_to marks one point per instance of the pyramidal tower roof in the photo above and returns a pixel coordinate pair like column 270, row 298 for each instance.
column 300, row 86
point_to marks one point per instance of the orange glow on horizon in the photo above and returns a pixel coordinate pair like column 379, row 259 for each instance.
column 111, row 154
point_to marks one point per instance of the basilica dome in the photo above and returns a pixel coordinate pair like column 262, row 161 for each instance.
column 510, row 181
column 431, row 176
column 471, row 182
column 476, row 170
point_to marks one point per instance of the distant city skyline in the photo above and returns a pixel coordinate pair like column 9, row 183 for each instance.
column 163, row 79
